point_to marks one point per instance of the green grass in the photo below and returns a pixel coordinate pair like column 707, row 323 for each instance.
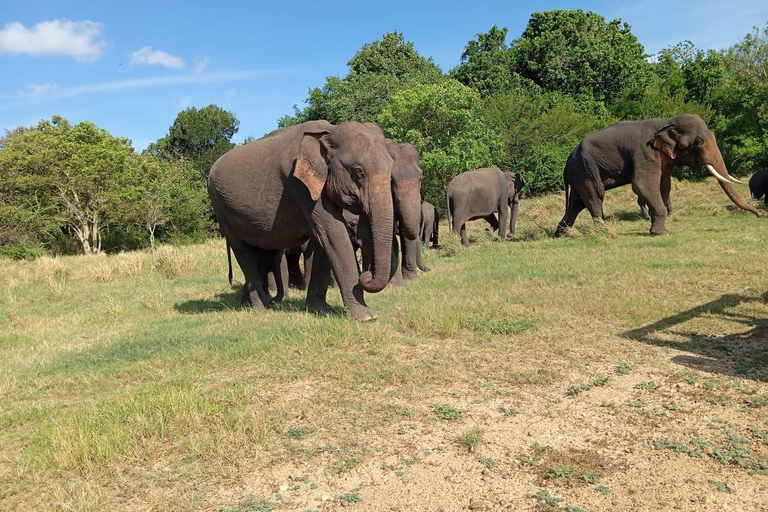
column 120, row 373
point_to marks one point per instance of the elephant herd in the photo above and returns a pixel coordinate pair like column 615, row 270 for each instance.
column 323, row 192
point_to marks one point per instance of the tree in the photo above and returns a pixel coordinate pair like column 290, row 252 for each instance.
column 376, row 72
column 486, row 64
column 201, row 136
column 72, row 174
column 444, row 122
column 579, row 53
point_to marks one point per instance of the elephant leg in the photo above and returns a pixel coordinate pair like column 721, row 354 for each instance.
column 411, row 260
column 503, row 218
column 295, row 278
column 643, row 209
column 279, row 268
column 665, row 188
column 460, row 227
column 397, row 278
column 575, row 206
column 333, row 250
column 650, row 192
column 253, row 290
column 513, row 220
column 491, row 219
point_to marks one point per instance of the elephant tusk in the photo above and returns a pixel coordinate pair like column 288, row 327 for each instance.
column 735, row 180
column 714, row 173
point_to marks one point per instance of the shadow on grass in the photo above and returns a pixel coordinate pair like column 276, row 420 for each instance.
column 743, row 354
column 625, row 215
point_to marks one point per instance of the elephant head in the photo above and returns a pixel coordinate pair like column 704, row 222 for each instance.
column 686, row 140
column 406, row 187
column 349, row 164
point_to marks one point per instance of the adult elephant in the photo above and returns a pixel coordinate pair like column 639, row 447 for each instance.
column 478, row 194
column 406, row 196
column 429, row 231
column 292, row 184
column 642, row 153
column 758, row 185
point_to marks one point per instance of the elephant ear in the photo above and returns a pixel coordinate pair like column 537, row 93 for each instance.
column 519, row 182
column 312, row 162
column 666, row 140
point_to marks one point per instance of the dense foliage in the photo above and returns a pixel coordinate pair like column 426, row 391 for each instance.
column 521, row 105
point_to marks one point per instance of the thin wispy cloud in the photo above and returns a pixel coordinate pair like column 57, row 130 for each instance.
column 77, row 39
column 201, row 63
column 147, row 56
column 53, row 92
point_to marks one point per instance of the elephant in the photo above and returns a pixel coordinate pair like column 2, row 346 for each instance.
column 478, row 194
column 406, row 196
column 758, row 185
column 644, row 207
column 642, row 153
column 429, row 230
column 292, row 184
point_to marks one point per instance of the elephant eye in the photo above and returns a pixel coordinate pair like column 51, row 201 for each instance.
column 699, row 142
column 358, row 172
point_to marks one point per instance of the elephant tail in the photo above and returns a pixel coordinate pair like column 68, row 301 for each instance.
column 448, row 208
column 229, row 261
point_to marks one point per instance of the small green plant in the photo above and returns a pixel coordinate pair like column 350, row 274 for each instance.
column 603, row 490
column 720, row 486
column 691, row 379
column 757, row 401
column 488, row 462
column 509, row 411
column 572, row 508
column 530, row 460
column 297, row 433
column 446, row 412
column 671, row 407
column 560, row 471
column 710, row 383
column 590, row 476
column 579, row 388
column 624, row 368
column 550, row 500
column 650, row 385
column 351, row 497
column 471, row 439
column 248, row 504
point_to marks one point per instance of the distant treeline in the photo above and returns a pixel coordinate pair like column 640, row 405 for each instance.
column 520, row 105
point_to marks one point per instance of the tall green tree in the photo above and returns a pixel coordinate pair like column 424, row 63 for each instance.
column 444, row 121
column 70, row 175
column 486, row 64
column 198, row 135
column 376, row 72
column 579, row 53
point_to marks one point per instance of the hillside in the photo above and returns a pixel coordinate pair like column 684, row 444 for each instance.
column 607, row 371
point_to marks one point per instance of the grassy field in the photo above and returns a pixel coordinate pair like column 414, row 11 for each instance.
column 607, row 371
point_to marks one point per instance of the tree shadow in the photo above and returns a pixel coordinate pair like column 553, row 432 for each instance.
column 625, row 215
column 743, row 354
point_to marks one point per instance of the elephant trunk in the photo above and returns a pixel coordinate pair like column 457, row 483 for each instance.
column 718, row 169
column 407, row 198
column 381, row 216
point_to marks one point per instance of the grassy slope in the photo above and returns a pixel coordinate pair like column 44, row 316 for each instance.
column 136, row 381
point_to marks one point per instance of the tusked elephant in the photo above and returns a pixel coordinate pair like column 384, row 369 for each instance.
column 429, row 230
column 642, row 153
column 478, row 194
column 758, row 185
column 292, row 184
column 644, row 207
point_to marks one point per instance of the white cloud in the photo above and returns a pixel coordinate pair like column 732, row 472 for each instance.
column 148, row 56
column 35, row 89
column 55, row 92
column 201, row 63
column 77, row 39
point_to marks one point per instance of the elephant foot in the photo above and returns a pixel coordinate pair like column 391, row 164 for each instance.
column 425, row 268
column 410, row 276
column 362, row 313
column 318, row 307
column 659, row 232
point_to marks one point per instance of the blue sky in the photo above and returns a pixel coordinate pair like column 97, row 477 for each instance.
column 130, row 67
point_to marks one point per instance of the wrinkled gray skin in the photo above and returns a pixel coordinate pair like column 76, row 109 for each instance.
column 478, row 194
column 644, row 207
column 406, row 196
column 758, row 185
column 278, row 191
column 642, row 153
column 429, row 230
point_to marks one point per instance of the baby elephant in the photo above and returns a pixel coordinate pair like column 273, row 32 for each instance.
column 478, row 194
column 430, row 225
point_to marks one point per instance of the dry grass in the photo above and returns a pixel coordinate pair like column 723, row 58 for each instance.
column 136, row 382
